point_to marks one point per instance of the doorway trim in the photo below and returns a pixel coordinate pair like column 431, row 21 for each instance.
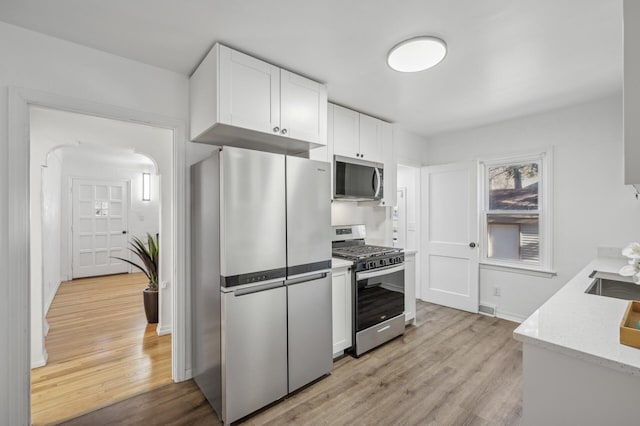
column 18, row 274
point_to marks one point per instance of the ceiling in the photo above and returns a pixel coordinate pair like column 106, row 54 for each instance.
column 506, row 58
column 85, row 138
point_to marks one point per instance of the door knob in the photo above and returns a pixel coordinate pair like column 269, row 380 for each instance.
column 472, row 245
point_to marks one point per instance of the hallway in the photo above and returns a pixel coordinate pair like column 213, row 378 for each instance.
column 100, row 347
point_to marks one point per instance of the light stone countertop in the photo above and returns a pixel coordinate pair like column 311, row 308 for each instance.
column 410, row 251
column 583, row 325
column 340, row 263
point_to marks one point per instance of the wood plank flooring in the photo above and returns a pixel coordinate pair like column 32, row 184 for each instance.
column 101, row 349
column 452, row 368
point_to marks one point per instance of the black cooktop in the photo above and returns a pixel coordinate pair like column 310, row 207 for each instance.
column 356, row 252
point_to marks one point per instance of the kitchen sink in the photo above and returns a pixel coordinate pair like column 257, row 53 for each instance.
column 613, row 285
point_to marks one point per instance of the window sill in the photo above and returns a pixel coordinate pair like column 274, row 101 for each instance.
column 518, row 269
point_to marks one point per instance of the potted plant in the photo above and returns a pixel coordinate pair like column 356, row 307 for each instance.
column 148, row 255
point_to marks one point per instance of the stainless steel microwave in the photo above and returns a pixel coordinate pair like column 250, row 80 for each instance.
column 357, row 180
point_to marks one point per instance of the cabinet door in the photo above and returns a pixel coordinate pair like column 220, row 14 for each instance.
column 303, row 108
column 390, row 190
column 325, row 153
column 309, row 331
column 249, row 92
column 254, row 345
column 410, row 288
column 345, row 131
column 342, row 310
column 371, row 138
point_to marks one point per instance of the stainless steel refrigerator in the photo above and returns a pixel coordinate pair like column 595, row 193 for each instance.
column 261, row 277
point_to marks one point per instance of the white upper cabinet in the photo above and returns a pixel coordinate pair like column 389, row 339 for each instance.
column 303, row 108
column 357, row 135
column 371, row 138
column 632, row 93
column 389, row 193
column 249, row 92
column 242, row 101
column 345, row 131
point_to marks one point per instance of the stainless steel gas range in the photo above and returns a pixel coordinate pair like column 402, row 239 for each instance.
column 377, row 282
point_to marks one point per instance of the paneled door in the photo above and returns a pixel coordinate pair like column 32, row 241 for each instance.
column 449, row 208
column 99, row 227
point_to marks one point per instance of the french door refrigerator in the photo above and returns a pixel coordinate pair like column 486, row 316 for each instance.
column 261, row 277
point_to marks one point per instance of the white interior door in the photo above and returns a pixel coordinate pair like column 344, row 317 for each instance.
column 450, row 235
column 99, row 227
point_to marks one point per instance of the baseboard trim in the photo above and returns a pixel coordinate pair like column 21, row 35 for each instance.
column 188, row 374
column 41, row 361
column 510, row 317
column 162, row 330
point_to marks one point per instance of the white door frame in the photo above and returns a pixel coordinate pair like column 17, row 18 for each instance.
column 18, row 274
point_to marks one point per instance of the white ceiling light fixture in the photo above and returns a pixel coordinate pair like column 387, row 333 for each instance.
column 417, row 54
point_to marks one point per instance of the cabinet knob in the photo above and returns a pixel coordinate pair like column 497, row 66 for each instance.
column 276, row 129
column 472, row 245
column 284, row 131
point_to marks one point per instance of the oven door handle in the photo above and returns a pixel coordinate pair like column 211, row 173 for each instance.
column 379, row 272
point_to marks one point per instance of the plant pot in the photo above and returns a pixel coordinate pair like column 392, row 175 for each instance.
column 151, row 305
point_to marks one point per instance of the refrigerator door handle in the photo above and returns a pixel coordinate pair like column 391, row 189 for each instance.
column 257, row 289
column 311, row 276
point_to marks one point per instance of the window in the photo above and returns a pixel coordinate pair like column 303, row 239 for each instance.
column 515, row 212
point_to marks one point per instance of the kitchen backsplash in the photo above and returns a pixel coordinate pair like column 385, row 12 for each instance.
column 376, row 219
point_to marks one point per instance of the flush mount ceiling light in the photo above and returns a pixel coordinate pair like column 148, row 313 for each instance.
column 417, row 54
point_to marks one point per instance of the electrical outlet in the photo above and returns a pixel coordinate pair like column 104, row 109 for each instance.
column 496, row 291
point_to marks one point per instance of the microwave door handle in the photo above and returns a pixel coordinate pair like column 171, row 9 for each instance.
column 377, row 175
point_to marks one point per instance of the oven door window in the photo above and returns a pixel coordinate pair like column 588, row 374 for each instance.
column 379, row 299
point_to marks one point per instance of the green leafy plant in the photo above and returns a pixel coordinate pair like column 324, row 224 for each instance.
column 148, row 254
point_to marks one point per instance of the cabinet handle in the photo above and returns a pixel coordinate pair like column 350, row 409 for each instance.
column 284, row 131
column 276, row 129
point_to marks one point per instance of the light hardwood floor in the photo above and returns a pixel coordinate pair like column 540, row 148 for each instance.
column 101, row 349
column 452, row 368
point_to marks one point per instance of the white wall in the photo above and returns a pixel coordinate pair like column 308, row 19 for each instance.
column 376, row 219
column 591, row 206
column 36, row 61
column 410, row 149
column 51, row 219
column 409, row 178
